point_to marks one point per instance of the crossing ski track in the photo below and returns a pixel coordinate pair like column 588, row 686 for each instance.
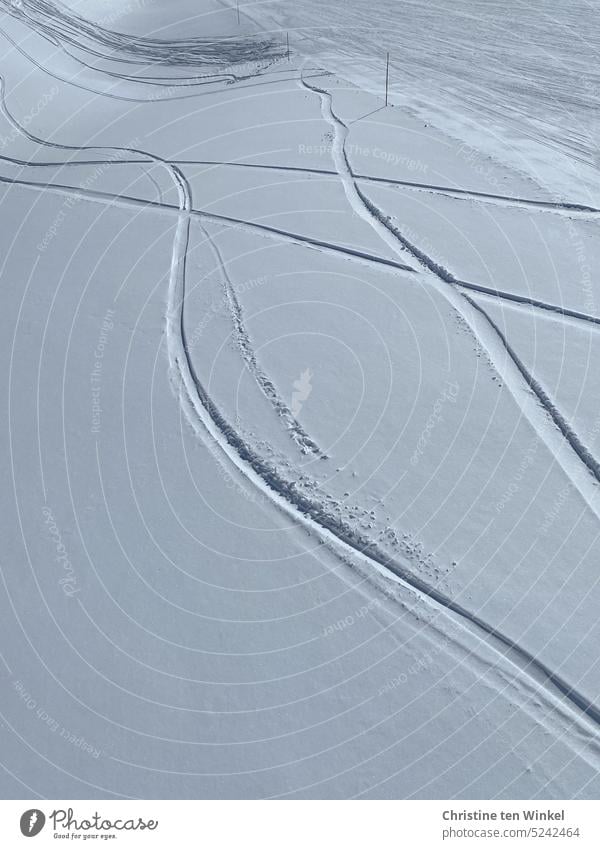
column 557, row 311
column 556, row 207
column 222, row 439
column 513, row 370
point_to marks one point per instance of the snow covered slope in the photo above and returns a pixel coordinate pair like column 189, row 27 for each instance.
column 518, row 81
column 293, row 508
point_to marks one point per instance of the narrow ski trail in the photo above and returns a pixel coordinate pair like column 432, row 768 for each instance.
column 306, row 444
column 542, row 415
column 524, row 301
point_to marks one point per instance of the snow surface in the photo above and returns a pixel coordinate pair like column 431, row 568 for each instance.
column 301, row 435
column 518, row 81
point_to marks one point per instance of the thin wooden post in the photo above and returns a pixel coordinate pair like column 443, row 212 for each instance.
column 238, row 11
column 387, row 77
column 287, row 39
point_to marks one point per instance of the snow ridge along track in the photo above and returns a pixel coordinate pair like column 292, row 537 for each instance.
column 306, row 512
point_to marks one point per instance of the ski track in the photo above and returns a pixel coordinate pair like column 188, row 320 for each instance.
column 181, row 82
column 513, row 297
column 306, row 444
column 569, row 434
column 584, row 454
column 491, row 338
column 555, row 207
column 127, row 201
column 251, row 226
column 481, row 332
column 338, row 152
column 119, row 97
column 205, row 417
column 523, row 300
column 299, row 435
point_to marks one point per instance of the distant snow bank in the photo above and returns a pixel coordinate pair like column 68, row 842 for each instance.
column 172, row 19
column 148, row 34
column 517, row 81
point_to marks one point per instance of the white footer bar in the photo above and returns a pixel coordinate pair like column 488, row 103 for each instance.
column 300, row 824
